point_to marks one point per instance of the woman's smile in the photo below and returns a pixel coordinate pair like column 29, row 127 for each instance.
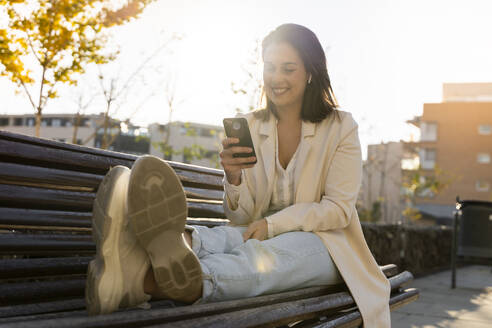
column 279, row 91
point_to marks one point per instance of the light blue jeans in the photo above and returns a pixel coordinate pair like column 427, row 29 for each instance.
column 235, row 269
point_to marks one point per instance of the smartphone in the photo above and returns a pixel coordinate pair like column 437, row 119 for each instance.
column 238, row 128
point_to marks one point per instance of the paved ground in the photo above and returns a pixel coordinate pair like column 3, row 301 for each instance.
column 467, row 306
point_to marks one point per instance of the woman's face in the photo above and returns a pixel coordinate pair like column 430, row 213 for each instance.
column 284, row 75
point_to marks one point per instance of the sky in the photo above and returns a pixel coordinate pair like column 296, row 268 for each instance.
column 386, row 58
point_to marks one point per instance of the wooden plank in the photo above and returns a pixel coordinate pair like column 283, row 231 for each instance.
column 11, row 293
column 199, row 193
column 116, row 157
column 307, row 299
column 23, row 312
column 30, row 217
column 46, row 244
column 51, row 199
column 40, row 217
column 41, row 198
column 208, row 222
column 38, row 267
column 205, row 209
column 354, row 319
column 18, row 173
column 198, row 179
column 48, row 143
column 274, row 315
column 57, row 158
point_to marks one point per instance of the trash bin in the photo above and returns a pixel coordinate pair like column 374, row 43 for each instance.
column 472, row 233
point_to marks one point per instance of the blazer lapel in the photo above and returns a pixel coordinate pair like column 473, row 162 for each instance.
column 267, row 147
column 308, row 130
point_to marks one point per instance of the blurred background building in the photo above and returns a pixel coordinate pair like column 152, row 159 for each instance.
column 456, row 137
column 192, row 143
column 454, row 150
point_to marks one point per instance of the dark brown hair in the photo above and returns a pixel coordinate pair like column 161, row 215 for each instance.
column 319, row 102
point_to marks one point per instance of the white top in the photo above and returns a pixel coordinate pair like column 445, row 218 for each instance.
column 283, row 191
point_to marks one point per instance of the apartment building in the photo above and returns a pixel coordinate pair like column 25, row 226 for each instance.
column 58, row 127
column 382, row 181
column 192, row 143
column 84, row 130
column 456, row 137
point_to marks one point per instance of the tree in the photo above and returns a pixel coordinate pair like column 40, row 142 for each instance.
column 57, row 38
column 250, row 88
column 421, row 183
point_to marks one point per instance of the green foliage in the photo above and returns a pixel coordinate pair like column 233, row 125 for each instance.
column 423, row 183
column 58, row 38
column 372, row 215
column 189, row 153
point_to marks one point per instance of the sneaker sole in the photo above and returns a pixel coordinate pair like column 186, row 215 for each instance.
column 103, row 291
column 157, row 211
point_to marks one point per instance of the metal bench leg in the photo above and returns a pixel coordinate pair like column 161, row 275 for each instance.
column 454, row 248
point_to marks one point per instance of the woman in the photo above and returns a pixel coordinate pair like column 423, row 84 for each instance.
column 293, row 217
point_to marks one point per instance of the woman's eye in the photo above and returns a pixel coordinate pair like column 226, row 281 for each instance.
column 289, row 70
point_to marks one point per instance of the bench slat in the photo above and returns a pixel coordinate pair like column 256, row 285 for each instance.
column 46, row 244
column 354, row 319
column 205, row 209
column 303, row 303
column 50, row 218
column 22, row 291
column 198, row 179
column 15, row 173
column 198, row 193
column 41, row 198
column 58, row 158
column 20, row 312
column 21, row 216
column 12, row 293
column 22, row 268
column 48, row 143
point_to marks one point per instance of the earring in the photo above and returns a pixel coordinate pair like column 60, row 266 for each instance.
column 309, row 80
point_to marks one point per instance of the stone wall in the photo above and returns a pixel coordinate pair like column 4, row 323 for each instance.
column 420, row 250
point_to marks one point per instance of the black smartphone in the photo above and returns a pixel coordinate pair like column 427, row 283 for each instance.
column 238, row 128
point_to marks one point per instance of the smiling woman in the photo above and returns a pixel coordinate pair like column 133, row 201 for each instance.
column 293, row 222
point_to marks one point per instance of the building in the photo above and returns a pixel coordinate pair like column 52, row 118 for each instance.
column 59, row 127
column 84, row 130
column 456, row 138
column 192, row 143
column 382, row 181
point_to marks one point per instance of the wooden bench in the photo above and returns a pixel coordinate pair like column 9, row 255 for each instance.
column 46, row 193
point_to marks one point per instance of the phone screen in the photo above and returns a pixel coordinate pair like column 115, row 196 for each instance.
column 238, row 128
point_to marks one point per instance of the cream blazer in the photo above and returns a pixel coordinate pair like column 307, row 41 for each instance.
column 327, row 180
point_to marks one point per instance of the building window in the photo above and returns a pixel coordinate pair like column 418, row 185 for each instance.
column 207, row 132
column 4, row 121
column 483, row 158
column 18, row 121
column 482, row 186
column 30, row 121
column 428, row 158
column 410, row 163
column 46, row 122
column 56, row 122
column 428, row 131
column 484, row 129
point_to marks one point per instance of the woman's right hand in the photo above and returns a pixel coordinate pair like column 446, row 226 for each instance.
column 233, row 165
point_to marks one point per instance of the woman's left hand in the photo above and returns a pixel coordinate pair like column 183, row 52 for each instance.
column 257, row 230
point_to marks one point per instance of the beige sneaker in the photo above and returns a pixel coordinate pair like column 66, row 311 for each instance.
column 157, row 212
column 115, row 277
